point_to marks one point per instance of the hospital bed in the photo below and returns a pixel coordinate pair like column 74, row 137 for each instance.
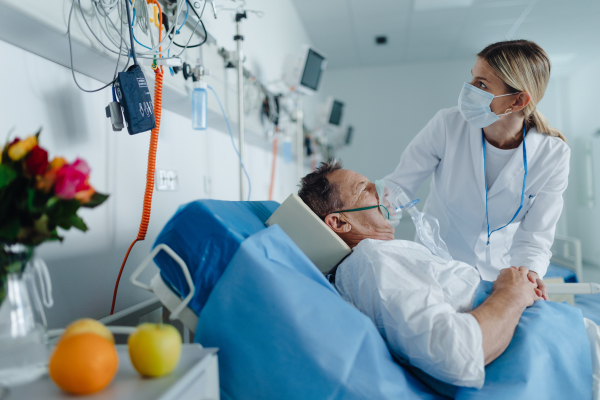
column 325, row 250
column 230, row 279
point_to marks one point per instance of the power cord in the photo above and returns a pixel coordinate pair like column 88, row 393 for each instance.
column 187, row 46
column 232, row 142
column 71, row 57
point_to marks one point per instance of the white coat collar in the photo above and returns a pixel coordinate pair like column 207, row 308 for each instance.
column 514, row 168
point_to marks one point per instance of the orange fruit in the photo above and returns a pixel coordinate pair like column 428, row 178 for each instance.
column 83, row 363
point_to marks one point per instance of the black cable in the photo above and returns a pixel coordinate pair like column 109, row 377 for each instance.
column 203, row 28
column 131, row 33
column 71, row 58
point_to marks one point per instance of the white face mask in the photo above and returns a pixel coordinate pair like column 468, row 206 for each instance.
column 474, row 106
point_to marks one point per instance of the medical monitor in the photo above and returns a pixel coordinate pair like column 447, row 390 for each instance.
column 330, row 113
column 335, row 115
column 313, row 68
column 304, row 70
column 349, row 134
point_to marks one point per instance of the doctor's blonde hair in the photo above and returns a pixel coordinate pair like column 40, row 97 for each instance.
column 524, row 67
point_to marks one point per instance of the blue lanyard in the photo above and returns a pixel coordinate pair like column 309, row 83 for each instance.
column 487, row 215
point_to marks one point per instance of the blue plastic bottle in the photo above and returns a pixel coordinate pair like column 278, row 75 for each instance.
column 199, row 107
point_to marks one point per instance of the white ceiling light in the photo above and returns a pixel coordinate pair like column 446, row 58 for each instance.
column 427, row 5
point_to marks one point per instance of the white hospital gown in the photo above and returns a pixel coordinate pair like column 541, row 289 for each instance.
column 418, row 303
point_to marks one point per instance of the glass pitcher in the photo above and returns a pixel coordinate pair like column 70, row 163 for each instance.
column 24, row 346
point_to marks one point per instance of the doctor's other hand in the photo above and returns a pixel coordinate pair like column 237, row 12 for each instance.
column 517, row 284
column 535, row 279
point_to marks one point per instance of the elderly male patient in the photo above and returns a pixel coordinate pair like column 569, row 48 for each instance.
column 421, row 305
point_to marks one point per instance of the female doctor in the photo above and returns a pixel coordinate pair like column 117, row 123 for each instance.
column 499, row 170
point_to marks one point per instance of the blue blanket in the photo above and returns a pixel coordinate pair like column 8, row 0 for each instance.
column 285, row 333
column 548, row 358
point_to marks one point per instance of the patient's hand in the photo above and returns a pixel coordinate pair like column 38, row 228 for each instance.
column 516, row 283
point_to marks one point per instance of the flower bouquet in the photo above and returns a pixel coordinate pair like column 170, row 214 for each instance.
column 37, row 196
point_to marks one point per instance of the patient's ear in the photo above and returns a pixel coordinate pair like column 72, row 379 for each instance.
column 335, row 222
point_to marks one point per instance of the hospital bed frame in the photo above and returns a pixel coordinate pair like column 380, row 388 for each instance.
column 566, row 253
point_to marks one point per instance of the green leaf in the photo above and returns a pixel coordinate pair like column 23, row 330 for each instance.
column 72, row 221
column 7, row 175
column 36, row 200
column 52, row 201
column 9, row 229
column 96, row 200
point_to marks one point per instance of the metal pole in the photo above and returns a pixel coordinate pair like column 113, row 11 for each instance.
column 299, row 138
column 240, row 70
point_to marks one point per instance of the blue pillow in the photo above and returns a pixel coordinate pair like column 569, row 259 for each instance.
column 206, row 234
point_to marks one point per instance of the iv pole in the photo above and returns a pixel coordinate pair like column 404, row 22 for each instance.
column 299, row 138
column 240, row 73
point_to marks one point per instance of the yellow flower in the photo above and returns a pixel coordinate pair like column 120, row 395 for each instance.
column 20, row 149
column 57, row 163
column 46, row 182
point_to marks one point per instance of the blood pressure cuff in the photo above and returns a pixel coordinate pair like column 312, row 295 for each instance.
column 132, row 93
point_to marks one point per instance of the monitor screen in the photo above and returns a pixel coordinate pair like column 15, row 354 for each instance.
column 336, row 113
column 312, row 70
column 349, row 135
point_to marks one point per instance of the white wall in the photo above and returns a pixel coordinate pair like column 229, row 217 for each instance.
column 40, row 93
column 388, row 106
column 579, row 101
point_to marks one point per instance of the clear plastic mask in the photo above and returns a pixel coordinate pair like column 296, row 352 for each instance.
column 394, row 199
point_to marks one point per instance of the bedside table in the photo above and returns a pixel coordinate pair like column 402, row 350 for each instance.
column 195, row 377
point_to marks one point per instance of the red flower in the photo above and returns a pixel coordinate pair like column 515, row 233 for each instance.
column 37, row 162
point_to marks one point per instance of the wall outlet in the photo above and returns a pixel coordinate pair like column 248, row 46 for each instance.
column 166, row 180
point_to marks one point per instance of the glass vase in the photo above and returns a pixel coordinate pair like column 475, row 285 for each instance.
column 24, row 348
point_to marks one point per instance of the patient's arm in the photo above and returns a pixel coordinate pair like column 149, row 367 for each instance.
column 499, row 314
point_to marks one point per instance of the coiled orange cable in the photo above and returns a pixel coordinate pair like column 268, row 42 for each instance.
column 147, row 207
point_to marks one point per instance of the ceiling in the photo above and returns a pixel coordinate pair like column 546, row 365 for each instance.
column 445, row 30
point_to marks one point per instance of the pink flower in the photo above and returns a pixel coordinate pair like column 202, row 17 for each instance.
column 81, row 166
column 71, row 179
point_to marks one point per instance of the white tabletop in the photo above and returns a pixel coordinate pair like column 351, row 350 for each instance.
column 128, row 384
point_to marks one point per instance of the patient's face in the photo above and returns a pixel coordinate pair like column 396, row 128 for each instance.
column 356, row 192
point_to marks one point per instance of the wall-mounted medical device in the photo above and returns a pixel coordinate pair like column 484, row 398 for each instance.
column 303, row 72
column 335, row 113
column 349, row 134
column 330, row 113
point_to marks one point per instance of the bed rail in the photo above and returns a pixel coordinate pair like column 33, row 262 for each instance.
column 566, row 252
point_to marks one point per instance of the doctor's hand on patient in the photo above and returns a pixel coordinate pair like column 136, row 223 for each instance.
column 534, row 278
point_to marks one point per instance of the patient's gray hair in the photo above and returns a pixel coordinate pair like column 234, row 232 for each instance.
column 321, row 196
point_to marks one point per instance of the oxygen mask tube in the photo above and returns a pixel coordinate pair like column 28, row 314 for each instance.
column 158, row 86
column 427, row 226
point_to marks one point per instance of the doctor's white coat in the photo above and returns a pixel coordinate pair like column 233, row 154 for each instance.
column 452, row 150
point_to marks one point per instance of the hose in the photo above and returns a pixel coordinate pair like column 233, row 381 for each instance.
column 147, row 207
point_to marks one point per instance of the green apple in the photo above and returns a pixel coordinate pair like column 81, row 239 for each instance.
column 154, row 349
